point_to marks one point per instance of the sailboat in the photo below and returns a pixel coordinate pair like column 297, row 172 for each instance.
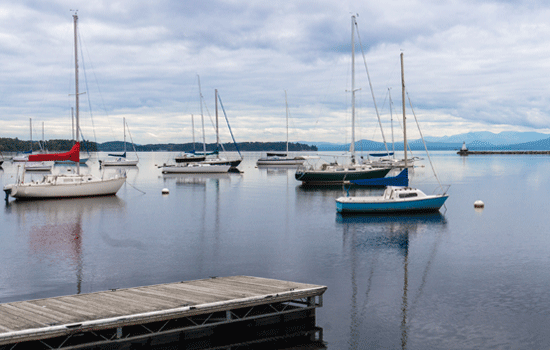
column 202, row 166
column 335, row 173
column 281, row 158
column 217, row 160
column 190, row 156
column 394, row 199
column 388, row 159
column 70, row 184
column 120, row 159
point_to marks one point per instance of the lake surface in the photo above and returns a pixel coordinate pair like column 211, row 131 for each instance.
column 461, row 279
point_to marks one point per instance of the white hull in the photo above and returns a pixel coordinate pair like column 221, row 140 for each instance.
column 119, row 162
column 66, row 186
column 194, row 168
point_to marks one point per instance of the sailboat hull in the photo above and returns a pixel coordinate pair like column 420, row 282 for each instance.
column 280, row 161
column 372, row 205
column 339, row 175
column 66, row 186
column 119, row 162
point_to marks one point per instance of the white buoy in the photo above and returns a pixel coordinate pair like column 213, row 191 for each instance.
column 479, row 204
column 165, row 191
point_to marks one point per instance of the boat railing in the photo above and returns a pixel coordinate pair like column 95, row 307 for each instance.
column 443, row 188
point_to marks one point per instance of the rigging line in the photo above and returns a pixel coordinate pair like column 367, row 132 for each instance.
column 424, row 142
column 131, row 139
column 135, row 188
column 229, row 126
column 370, row 84
column 87, row 89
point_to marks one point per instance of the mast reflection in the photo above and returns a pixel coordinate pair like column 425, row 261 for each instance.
column 367, row 235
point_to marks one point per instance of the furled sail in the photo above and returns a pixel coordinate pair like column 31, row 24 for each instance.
column 73, row 154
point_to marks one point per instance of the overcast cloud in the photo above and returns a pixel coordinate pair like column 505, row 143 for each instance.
column 469, row 66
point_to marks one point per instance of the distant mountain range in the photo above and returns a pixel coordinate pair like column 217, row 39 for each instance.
column 483, row 140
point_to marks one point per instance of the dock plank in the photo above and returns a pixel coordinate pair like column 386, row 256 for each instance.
column 62, row 306
column 134, row 305
column 209, row 290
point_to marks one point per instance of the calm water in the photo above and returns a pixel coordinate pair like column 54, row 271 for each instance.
column 462, row 279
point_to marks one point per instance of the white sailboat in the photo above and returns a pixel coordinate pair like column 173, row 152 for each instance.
column 197, row 167
column 186, row 157
column 217, row 160
column 388, row 159
column 394, row 199
column 334, row 173
column 120, row 159
column 281, row 158
column 71, row 184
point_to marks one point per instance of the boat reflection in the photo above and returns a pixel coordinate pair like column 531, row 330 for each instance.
column 55, row 227
column 373, row 240
column 277, row 170
column 194, row 179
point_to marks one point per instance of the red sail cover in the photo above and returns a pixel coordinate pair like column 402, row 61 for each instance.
column 73, row 154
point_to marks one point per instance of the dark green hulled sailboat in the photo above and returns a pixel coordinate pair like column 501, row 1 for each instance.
column 336, row 173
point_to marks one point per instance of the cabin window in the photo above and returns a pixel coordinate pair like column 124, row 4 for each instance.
column 407, row 195
column 67, row 180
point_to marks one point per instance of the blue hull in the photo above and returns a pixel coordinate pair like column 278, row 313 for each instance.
column 421, row 205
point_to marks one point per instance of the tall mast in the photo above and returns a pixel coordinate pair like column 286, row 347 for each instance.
column 286, row 105
column 124, row 127
column 72, row 121
column 352, row 146
column 217, row 130
column 30, row 128
column 202, row 117
column 404, row 118
column 391, row 119
column 75, row 17
column 193, row 129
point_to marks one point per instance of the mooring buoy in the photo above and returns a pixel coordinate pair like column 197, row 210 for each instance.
column 479, row 204
column 165, row 191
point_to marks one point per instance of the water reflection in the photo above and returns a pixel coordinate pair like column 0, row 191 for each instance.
column 277, row 170
column 56, row 227
column 194, row 179
column 381, row 236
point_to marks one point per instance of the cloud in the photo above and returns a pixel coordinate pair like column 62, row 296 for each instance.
column 469, row 66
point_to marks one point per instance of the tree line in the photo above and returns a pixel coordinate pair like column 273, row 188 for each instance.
column 16, row 145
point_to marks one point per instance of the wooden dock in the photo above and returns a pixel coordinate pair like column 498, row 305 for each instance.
column 216, row 311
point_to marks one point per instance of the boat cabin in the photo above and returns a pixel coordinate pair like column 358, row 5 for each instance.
column 400, row 193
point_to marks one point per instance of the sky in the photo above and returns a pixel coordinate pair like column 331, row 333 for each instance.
column 468, row 66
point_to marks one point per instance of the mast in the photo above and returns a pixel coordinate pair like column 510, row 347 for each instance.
column 75, row 17
column 286, row 105
column 193, row 129
column 124, row 127
column 391, row 119
column 72, row 121
column 202, row 117
column 352, row 146
column 30, row 128
column 217, row 130
column 404, row 118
